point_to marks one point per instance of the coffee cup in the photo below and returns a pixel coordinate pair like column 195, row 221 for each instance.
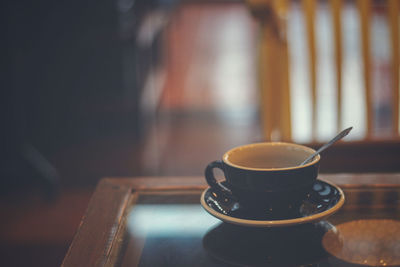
column 265, row 175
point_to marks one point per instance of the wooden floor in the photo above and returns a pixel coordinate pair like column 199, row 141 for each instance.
column 202, row 103
column 35, row 232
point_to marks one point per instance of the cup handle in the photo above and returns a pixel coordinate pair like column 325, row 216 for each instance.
column 212, row 182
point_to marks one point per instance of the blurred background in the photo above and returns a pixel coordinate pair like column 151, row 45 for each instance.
column 94, row 89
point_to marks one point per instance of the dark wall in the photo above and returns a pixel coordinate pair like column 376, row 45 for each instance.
column 70, row 71
column 64, row 70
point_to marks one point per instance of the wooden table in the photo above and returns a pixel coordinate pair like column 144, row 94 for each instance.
column 158, row 221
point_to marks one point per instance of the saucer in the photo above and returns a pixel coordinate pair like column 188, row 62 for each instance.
column 323, row 200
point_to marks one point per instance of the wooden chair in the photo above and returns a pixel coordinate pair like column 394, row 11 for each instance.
column 369, row 154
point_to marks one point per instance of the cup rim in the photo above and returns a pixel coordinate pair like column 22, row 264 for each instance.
column 225, row 157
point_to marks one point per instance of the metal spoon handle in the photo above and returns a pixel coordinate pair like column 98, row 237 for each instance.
column 322, row 148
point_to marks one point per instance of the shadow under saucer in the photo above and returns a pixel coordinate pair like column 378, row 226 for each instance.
column 280, row 246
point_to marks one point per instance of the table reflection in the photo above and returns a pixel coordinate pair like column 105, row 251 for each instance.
column 169, row 220
column 185, row 235
column 168, row 235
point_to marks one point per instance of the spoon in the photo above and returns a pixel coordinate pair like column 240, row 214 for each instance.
column 322, row 148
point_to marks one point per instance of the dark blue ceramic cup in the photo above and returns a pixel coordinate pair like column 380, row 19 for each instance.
column 265, row 175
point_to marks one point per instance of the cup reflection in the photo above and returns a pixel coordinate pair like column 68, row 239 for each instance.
column 285, row 246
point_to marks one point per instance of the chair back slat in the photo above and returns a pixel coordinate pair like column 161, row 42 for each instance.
column 267, row 81
column 273, row 66
column 364, row 7
column 336, row 7
column 393, row 15
column 309, row 7
column 285, row 107
column 282, row 8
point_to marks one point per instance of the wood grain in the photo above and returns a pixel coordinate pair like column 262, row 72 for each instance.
column 99, row 227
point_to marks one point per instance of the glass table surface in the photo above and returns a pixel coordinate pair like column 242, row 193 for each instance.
column 129, row 224
column 170, row 228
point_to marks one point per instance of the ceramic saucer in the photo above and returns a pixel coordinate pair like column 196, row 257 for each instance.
column 323, row 200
